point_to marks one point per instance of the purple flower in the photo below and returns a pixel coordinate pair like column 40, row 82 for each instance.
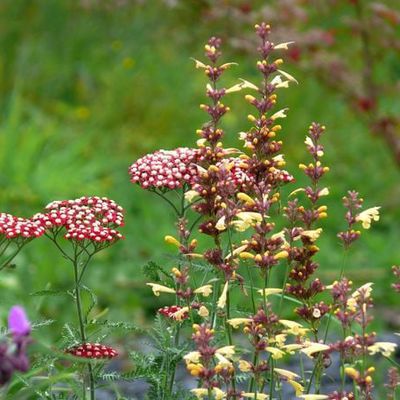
column 18, row 323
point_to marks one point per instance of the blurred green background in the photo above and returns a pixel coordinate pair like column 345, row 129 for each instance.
column 87, row 87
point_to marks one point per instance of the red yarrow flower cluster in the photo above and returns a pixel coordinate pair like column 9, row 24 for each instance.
column 86, row 218
column 165, row 169
column 12, row 227
column 93, row 351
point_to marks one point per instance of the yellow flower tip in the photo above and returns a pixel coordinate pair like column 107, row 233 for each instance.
column 246, row 255
column 176, row 272
column 195, row 369
column 249, row 98
column 352, row 373
column 371, row 370
column 313, row 396
column 322, row 208
column 281, row 255
column 279, row 61
column 251, row 118
column 326, row 169
column 322, row 215
column 258, row 258
column 203, row 106
column 368, row 379
column 302, row 167
column 246, row 198
column 171, row 240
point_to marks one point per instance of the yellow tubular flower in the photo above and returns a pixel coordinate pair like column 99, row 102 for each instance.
column 203, row 312
column 178, row 315
column 219, row 394
column 236, row 322
column 291, row 348
column 367, row 216
column 195, row 369
column 299, row 389
column 385, row 348
column 268, row 291
column 246, row 198
column 221, row 225
column 286, row 374
column 281, row 255
column 313, row 348
column 205, row 290
column 222, row 299
column 226, row 351
column 246, row 255
column 192, row 357
column 258, row 396
column 157, row 289
column 244, row 366
column 352, row 373
column 171, row 240
column 276, row 354
column 313, row 396
column 312, row 235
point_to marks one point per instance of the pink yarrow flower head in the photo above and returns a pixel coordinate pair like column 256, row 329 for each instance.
column 15, row 227
column 92, row 350
column 87, row 218
column 165, row 169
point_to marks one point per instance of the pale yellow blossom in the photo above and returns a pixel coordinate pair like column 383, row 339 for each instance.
column 287, row 374
column 222, row 299
column 192, row 357
column 244, row 366
column 236, row 322
column 268, row 291
column 313, row 396
column 157, row 289
column 246, row 198
column 226, row 351
column 205, row 290
column 258, row 396
column 312, row 235
column 279, row 114
column 283, row 46
column 313, row 348
column 385, row 348
column 180, row 314
column 299, row 389
column 203, row 312
column 367, row 216
column 276, row 354
column 221, row 225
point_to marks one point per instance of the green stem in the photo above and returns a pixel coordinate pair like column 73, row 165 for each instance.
column 78, row 301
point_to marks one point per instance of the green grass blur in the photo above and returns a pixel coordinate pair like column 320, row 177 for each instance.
column 86, row 91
